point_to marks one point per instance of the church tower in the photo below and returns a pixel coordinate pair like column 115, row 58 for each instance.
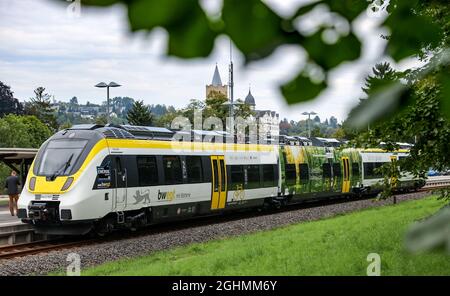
column 250, row 100
column 216, row 85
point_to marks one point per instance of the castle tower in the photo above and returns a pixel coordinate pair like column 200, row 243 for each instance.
column 250, row 100
column 216, row 85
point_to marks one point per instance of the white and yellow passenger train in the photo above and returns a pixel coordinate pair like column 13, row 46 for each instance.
column 95, row 178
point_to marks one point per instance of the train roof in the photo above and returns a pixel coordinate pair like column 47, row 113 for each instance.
column 112, row 131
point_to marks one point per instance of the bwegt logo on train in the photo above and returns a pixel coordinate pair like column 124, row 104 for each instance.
column 169, row 195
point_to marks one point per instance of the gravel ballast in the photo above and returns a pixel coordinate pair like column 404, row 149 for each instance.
column 91, row 255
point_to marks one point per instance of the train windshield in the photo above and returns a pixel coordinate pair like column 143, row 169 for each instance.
column 60, row 157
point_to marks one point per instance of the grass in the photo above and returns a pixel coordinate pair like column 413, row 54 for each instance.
column 334, row 246
column 4, row 202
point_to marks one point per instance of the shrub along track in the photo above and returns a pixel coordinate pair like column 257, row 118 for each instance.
column 52, row 257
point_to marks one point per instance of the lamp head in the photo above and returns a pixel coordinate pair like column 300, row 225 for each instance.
column 101, row 85
column 113, row 84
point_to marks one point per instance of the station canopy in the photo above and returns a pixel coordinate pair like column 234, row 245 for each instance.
column 17, row 155
column 18, row 159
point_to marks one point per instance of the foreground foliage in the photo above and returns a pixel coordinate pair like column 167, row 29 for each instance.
column 258, row 31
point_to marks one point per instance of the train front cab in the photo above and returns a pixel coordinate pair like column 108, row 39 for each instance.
column 51, row 196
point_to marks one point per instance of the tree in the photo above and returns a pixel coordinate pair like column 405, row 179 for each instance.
column 73, row 104
column 28, row 132
column 74, row 101
column 65, row 125
column 214, row 106
column 8, row 104
column 243, row 110
column 18, row 131
column 102, row 120
column 333, row 122
column 139, row 114
column 316, row 132
column 40, row 107
column 285, row 126
column 189, row 110
column 382, row 74
column 339, row 134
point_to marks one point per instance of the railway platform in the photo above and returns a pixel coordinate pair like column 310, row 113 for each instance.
column 12, row 230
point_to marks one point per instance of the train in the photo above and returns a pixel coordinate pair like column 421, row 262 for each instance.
column 97, row 179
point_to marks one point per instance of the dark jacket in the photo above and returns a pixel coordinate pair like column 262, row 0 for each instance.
column 12, row 184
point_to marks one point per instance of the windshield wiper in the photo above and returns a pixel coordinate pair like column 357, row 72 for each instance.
column 63, row 168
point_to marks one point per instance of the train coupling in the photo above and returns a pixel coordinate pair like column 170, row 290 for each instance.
column 44, row 211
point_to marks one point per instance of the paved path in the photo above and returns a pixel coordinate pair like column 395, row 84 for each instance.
column 5, row 216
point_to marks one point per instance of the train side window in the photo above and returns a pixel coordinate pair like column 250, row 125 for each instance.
column 401, row 161
column 378, row 174
column 269, row 175
column 194, row 169
column 326, row 170
column 370, row 170
column 222, row 175
column 337, row 172
column 355, row 169
column 236, row 176
column 304, row 171
column 118, row 164
column 290, row 173
column 253, row 176
column 207, row 170
column 147, row 170
column 172, row 169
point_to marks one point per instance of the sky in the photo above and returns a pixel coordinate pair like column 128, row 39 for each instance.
column 44, row 44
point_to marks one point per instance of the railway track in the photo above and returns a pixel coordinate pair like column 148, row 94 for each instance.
column 20, row 250
column 24, row 249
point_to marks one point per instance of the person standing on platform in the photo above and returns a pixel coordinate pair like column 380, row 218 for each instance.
column 12, row 185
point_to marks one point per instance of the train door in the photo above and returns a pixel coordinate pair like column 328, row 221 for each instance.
column 346, row 175
column 394, row 162
column 121, row 184
column 219, row 183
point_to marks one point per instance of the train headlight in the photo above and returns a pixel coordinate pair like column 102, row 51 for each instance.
column 67, row 184
column 32, row 184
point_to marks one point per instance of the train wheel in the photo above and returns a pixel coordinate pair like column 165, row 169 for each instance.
column 103, row 227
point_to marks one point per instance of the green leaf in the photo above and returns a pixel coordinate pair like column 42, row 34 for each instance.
column 189, row 29
column 302, row 89
column 330, row 55
column 194, row 39
column 304, row 9
column 98, row 2
column 410, row 33
column 147, row 14
column 383, row 103
column 255, row 29
column 444, row 79
column 350, row 9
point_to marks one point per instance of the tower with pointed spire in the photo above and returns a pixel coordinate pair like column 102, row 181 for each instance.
column 216, row 85
column 250, row 100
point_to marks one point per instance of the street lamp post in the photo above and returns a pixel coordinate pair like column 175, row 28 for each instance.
column 309, row 121
column 103, row 85
column 231, row 114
